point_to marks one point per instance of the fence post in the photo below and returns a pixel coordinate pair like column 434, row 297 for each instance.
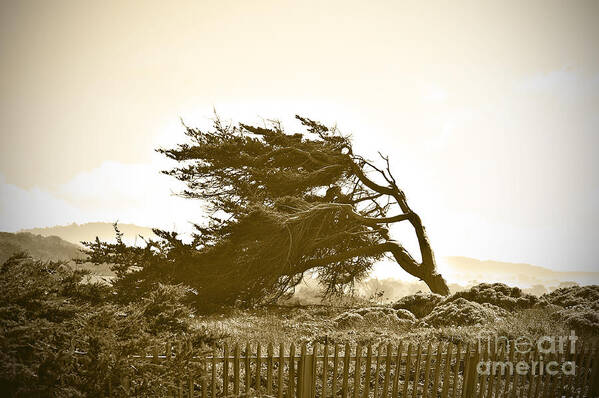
column 595, row 375
column 307, row 361
column 470, row 363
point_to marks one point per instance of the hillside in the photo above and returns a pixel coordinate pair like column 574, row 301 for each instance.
column 45, row 248
column 75, row 233
column 470, row 269
column 48, row 248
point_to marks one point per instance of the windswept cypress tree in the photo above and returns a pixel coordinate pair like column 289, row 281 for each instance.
column 282, row 204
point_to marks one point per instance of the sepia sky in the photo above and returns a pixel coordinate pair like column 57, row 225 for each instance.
column 488, row 110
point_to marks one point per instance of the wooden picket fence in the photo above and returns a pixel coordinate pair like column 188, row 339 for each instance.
column 325, row 370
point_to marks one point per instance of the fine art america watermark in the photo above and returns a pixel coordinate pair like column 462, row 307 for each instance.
column 545, row 346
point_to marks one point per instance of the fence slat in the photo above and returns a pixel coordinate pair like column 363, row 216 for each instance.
column 466, row 390
column 180, row 385
column 204, row 380
column 236, row 371
column 445, row 388
column 387, row 372
column 269, row 370
column 546, row 381
column 417, row 371
column 345, row 370
column 454, row 389
column 526, row 388
column 580, row 372
column 280, row 370
column 301, row 374
column 516, row 379
column 585, row 374
column 357, row 370
column 427, row 368
column 377, row 370
column 589, row 356
column 214, row 365
column 573, row 356
column 312, row 383
column 335, row 370
column 437, row 371
column 291, row 371
column 190, row 383
column 554, row 378
column 509, row 376
column 534, row 381
column 559, row 382
column 539, row 378
column 408, row 370
column 226, row 370
column 491, row 378
column 594, row 387
column 325, row 368
column 258, row 383
column 397, row 371
column 248, row 369
column 586, row 361
column 482, row 378
column 168, row 350
column 368, row 365
column 499, row 354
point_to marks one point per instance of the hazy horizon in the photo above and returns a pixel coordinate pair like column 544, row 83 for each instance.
column 461, row 270
column 62, row 243
column 488, row 111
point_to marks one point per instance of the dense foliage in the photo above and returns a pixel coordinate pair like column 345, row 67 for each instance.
column 498, row 294
column 463, row 312
column 60, row 337
column 574, row 295
column 282, row 205
column 42, row 247
column 419, row 304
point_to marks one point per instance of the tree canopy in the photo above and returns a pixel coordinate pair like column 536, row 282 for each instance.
column 281, row 205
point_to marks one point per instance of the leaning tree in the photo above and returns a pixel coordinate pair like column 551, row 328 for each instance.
column 281, row 205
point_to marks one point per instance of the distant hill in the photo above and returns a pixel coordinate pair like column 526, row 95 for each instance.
column 521, row 274
column 49, row 248
column 44, row 248
column 76, row 233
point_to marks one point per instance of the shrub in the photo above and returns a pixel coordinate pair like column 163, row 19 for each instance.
column 575, row 296
column 461, row 312
column 419, row 304
column 580, row 318
column 164, row 309
column 49, row 319
column 498, row 294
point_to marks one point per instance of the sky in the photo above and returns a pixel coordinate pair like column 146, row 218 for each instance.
column 488, row 110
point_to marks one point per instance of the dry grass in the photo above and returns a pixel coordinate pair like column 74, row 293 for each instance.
column 317, row 324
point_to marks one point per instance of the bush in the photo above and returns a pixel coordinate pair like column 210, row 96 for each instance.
column 580, row 318
column 498, row 294
column 461, row 312
column 566, row 297
column 164, row 310
column 64, row 338
column 419, row 304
